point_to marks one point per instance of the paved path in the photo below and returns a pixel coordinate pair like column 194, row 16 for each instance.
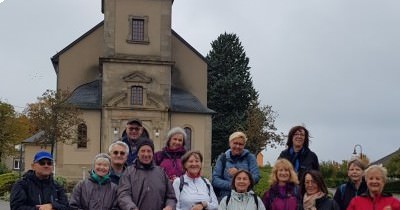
column 4, row 205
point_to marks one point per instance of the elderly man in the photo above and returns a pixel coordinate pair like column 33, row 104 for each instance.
column 37, row 188
column 134, row 130
column 118, row 152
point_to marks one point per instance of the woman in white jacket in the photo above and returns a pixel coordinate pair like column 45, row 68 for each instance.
column 241, row 196
column 192, row 191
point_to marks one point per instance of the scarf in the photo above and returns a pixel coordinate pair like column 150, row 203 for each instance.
column 295, row 158
column 99, row 180
column 309, row 200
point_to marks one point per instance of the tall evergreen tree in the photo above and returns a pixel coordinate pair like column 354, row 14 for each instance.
column 230, row 89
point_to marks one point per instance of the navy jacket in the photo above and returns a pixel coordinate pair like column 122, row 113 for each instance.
column 307, row 159
column 30, row 191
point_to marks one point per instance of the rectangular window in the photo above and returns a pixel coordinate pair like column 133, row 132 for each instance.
column 137, row 29
column 188, row 140
column 82, row 136
column 17, row 164
column 137, row 95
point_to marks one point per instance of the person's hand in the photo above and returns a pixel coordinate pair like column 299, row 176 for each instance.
column 44, row 207
column 387, row 208
column 197, row 207
column 172, row 178
column 167, row 208
column 232, row 171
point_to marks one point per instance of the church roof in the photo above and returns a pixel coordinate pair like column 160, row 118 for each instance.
column 385, row 160
column 88, row 96
column 34, row 138
column 183, row 101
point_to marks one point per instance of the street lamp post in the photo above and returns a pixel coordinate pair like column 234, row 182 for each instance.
column 355, row 152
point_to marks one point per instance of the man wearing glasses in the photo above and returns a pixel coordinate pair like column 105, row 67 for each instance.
column 134, row 130
column 118, row 152
column 37, row 188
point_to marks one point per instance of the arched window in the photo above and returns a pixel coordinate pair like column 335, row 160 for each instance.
column 136, row 95
column 82, row 136
column 188, row 141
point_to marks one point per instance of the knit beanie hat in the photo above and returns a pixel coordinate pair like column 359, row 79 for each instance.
column 145, row 141
column 102, row 156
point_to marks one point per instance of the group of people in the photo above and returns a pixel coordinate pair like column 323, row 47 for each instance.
column 132, row 176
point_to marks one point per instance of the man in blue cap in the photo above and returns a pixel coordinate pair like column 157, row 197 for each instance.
column 37, row 188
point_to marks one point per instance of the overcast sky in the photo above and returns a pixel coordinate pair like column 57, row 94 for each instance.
column 331, row 65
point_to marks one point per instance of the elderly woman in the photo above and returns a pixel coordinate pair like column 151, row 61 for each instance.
column 315, row 193
column 354, row 186
column 169, row 158
column 144, row 185
column 241, row 196
column 230, row 162
column 284, row 192
column 192, row 191
column 374, row 198
column 298, row 152
column 97, row 191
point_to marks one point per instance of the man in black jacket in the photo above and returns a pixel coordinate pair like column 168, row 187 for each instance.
column 37, row 188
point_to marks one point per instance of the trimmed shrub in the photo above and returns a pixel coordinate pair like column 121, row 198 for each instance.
column 61, row 181
column 6, row 182
column 4, row 169
column 334, row 182
column 70, row 186
column 392, row 187
column 262, row 184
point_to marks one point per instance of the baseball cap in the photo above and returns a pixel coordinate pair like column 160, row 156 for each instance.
column 42, row 155
column 135, row 121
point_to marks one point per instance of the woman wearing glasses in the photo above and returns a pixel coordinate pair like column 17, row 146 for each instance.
column 298, row 152
column 169, row 158
column 97, row 191
column 118, row 152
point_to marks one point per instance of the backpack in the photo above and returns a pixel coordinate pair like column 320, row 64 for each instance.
column 182, row 182
column 342, row 189
column 228, row 197
column 222, row 157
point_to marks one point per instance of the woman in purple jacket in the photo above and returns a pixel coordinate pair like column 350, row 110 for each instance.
column 169, row 158
column 284, row 193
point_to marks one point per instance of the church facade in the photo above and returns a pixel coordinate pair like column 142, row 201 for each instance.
column 132, row 65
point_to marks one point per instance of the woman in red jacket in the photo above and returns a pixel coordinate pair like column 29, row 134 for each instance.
column 374, row 198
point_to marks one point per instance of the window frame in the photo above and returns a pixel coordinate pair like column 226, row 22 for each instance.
column 139, row 94
column 18, row 162
column 188, row 140
column 131, row 34
column 82, row 141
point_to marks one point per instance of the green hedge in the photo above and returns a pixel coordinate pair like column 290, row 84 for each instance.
column 6, row 182
column 262, row 184
column 392, row 187
column 334, row 182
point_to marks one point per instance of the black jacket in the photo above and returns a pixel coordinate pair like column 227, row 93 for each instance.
column 344, row 193
column 30, row 191
column 326, row 203
column 307, row 159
